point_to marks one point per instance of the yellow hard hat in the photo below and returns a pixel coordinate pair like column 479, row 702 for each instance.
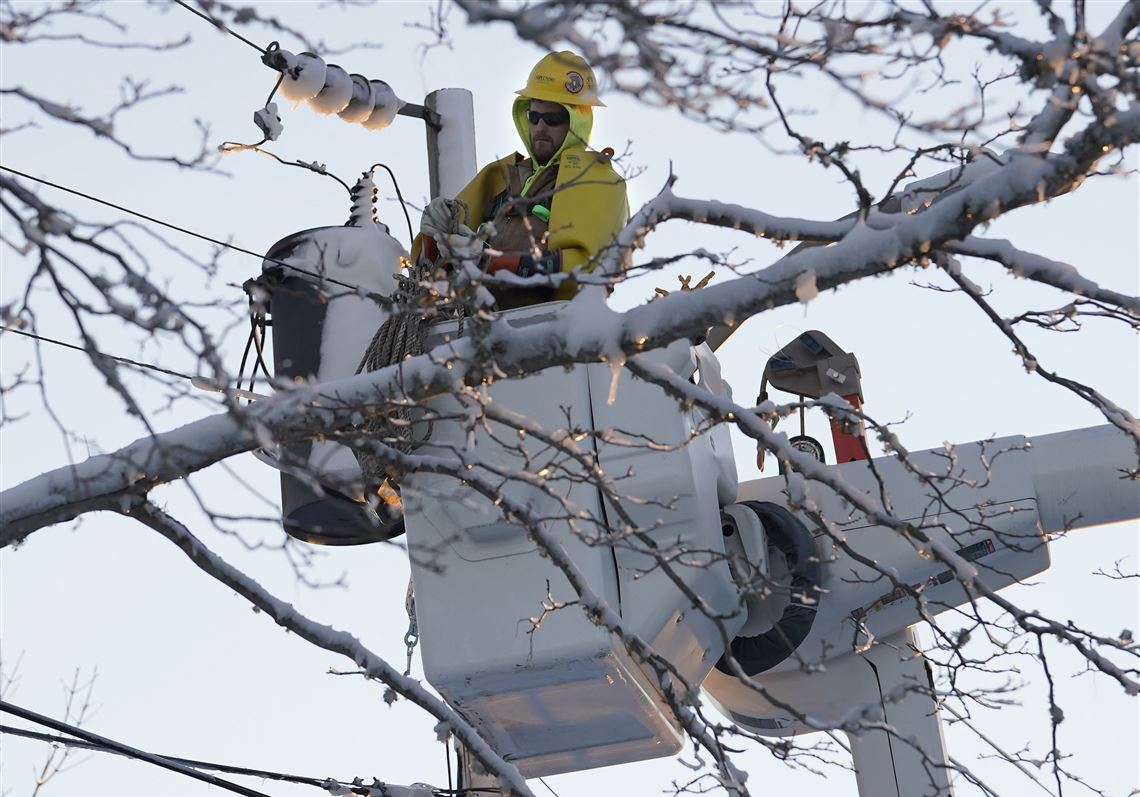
column 564, row 78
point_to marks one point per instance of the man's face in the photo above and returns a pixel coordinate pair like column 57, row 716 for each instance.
column 546, row 138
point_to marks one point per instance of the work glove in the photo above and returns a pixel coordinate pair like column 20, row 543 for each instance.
column 442, row 223
column 463, row 245
column 442, row 216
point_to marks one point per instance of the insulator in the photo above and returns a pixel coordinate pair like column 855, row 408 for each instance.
column 304, row 77
column 336, row 93
column 363, row 202
column 385, row 106
column 360, row 106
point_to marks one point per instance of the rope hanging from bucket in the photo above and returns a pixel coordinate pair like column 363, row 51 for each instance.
column 402, row 335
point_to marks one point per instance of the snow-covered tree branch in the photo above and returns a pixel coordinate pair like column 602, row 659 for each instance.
column 921, row 179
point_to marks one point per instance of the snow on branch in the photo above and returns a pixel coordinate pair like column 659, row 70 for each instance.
column 326, row 637
column 588, row 331
column 748, row 420
column 1042, row 269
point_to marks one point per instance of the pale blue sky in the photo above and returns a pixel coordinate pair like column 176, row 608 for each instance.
column 185, row 668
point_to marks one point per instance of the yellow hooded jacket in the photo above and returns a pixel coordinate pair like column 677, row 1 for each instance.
column 588, row 207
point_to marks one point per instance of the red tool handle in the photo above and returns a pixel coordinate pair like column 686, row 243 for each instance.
column 849, row 438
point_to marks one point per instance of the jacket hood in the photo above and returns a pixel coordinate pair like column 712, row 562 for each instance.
column 581, row 125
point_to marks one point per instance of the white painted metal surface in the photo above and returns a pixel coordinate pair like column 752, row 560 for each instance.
column 451, row 148
column 552, row 690
column 1004, row 508
column 364, row 256
column 1022, row 490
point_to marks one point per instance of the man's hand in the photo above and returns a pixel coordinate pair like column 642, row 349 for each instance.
column 442, row 223
column 442, row 217
column 461, row 246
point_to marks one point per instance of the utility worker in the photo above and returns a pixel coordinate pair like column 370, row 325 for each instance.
column 551, row 211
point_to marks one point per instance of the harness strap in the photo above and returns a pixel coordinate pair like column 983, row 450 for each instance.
column 514, row 181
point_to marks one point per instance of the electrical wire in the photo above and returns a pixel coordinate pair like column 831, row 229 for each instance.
column 103, row 744
column 447, row 755
column 356, row 785
column 399, row 196
column 320, row 783
column 201, row 382
column 100, row 748
column 191, row 233
column 217, row 23
column 255, row 341
column 124, row 360
column 430, row 117
column 197, row 380
column 126, row 750
column 230, row 147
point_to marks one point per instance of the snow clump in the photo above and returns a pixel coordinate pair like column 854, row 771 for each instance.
column 56, row 222
column 385, row 106
column 806, row 289
column 336, row 789
column 360, row 106
column 335, row 95
column 269, row 121
column 304, row 76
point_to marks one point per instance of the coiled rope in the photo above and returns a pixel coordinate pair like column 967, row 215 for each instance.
column 403, row 334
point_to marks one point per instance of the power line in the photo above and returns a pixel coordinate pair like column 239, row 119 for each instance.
column 430, row 117
column 185, row 231
column 320, row 783
column 200, row 382
column 125, row 360
column 123, row 749
column 217, row 23
column 400, row 197
column 232, row 770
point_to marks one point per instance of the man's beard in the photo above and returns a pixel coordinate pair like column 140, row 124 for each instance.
column 542, row 151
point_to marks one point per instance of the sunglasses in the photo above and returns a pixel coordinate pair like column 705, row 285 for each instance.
column 552, row 118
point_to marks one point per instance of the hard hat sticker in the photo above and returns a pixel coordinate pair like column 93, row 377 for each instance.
column 574, row 82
